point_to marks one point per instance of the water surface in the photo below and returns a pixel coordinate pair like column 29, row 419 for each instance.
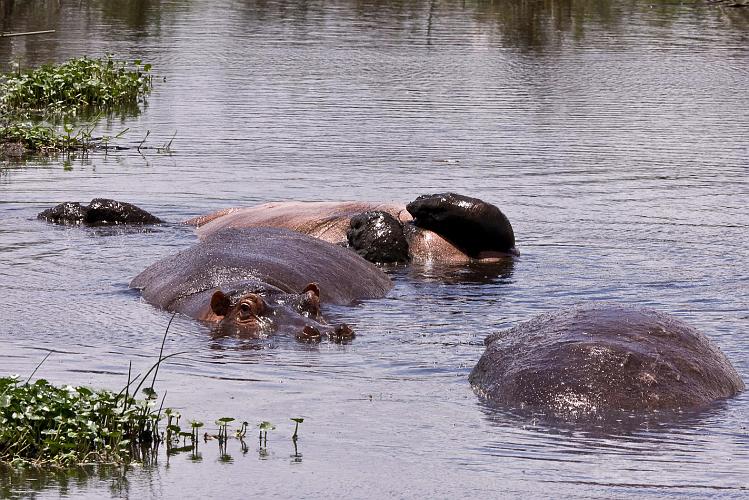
column 611, row 133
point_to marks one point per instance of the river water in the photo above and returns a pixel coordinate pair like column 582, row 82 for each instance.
column 612, row 133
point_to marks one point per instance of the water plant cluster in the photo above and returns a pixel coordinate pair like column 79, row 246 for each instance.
column 42, row 424
column 75, row 85
column 38, row 107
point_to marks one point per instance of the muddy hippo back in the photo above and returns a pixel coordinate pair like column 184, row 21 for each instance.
column 276, row 259
column 596, row 360
column 327, row 221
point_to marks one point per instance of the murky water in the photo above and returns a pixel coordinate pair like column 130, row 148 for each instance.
column 612, row 133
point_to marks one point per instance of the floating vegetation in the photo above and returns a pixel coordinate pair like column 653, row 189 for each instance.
column 20, row 138
column 37, row 105
column 75, row 86
column 41, row 423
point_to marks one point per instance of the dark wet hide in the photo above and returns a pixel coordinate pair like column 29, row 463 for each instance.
column 471, row 224
column 65, row 213
column 378, row 237
column 100, row 212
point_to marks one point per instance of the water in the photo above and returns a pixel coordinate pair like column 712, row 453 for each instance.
column 611, row 133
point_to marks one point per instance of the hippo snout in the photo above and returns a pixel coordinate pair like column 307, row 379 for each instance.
column 339, row 333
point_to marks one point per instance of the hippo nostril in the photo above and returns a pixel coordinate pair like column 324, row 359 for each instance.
column 309, row 334
column 343, row 332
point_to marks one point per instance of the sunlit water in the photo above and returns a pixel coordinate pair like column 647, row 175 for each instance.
column 612, row 134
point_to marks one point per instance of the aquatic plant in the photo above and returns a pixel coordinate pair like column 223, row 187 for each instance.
column 265, row 426
column 41, row 423
column 76, row 85
column 44, row 424
column 223, row 425
column 298, row 421
column 39, row 138
column 37, row 105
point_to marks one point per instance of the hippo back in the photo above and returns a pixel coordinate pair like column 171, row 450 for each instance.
column 327, row 221
column 269, row 258
column 603, row 358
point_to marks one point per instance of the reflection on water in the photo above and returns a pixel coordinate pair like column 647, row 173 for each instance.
column 611, row 133
column 536, row 25
column 477, row 273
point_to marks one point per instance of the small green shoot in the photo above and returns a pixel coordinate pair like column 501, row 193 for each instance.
column 265, row 426
column 298, row 421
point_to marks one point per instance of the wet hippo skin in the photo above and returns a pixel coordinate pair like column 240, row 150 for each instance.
column 261, row 281
column 601, row 359
column 475, row 227
column 99, row 212
column 445, row 227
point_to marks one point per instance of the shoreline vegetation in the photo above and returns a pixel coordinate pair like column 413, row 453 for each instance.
column 54, row 108
column 64, row 426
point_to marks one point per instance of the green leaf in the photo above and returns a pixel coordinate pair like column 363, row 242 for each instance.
column 266, row 426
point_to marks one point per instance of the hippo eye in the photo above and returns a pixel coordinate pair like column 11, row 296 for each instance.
column 245, row 311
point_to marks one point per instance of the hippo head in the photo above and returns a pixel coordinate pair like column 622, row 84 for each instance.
column 256, row 315
column 378, row 237
column 476, row 227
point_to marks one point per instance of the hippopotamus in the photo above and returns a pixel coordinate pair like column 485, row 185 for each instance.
column 444, row 227
column 99, row 212
column 598, row 360
column 254, row 282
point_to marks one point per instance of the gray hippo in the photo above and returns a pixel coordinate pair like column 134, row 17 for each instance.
column 255, row 282
column 443, row 227
column 100, row 212
column 603, row 359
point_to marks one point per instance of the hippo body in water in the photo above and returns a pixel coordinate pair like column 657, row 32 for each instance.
column 599, row 360
column 447, row 227
column 100, row 212
column 442, row 227
column 259, row 281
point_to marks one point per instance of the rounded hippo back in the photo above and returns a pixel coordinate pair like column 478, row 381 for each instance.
column 266, row 258
column 327, row 221
column 474, row 226
column 601, row 359
column 100, row 212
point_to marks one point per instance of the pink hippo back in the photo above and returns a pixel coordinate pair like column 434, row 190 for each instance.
column 330, row 222
column 327, row 221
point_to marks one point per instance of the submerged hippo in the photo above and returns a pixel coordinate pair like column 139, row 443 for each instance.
column 443, row 227
column 596, row 360
column 258, row 281
column 100, row 212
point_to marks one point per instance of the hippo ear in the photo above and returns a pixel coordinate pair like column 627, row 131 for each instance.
column 311, row 300
column 220, row 303
column 312, row 287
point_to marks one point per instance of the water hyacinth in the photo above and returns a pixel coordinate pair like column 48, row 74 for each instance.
column 37, row 106
column 75, row 85
column 41, row 423
column 45, row 139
